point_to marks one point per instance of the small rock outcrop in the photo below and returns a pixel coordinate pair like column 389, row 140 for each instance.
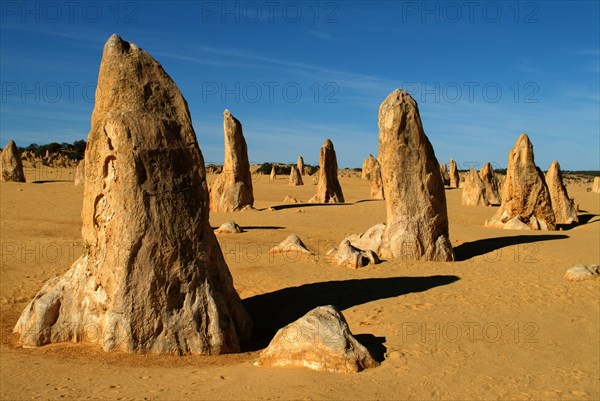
column 295, row 177
column 229, row 227
column 525, row 195
column 11, row 163
column 328, row 187
column 232, row 190
column 350, row 256
column 491, row 184
column 273, row 174
column 473, row 190
column 417, row 218
column 581, row 272
column 453, row 174
column 290, row 200
column 320, row 340
column 563, row 206
column 291, row 244
column 152, row 277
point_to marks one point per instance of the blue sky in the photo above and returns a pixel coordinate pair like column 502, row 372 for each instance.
column 295, row 73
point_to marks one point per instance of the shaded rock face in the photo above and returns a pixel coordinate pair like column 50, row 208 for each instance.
column 445, row 175
column 80, row 173
column 348, row 255
column 473, row 190
column 376, row 182
column 563, row 207
column 320, row 340
column 295, row 177
column 152, row 277
column 417, row 218
column 525, row 195
column 232, row 190
column 367, row 167
column 300, row 165
column 328, row 188
column 453, row 174
column 11, row 164
column 490, row 182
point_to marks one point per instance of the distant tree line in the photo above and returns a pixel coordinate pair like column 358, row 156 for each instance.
column 73, row 151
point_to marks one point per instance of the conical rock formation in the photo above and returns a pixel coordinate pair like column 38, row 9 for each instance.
column 152, row 277
column 473, row 190
column 11, row 164
column 328, row 188
column 417, row 218
column 232, row 190
column 295, row 177
column 525, row 195
column 491, row 184
column 453, row 174
column 562, row 205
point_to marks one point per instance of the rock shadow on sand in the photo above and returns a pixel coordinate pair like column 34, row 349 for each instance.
column 274, row 310
column 480, row 247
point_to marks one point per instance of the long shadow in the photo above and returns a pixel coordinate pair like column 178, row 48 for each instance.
column 303, row 205
column 47, row 181
column 274, row 310
column 262, row 227
column 482, row 246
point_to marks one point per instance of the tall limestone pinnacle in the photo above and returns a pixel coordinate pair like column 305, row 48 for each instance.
column 232, row 190
column 329, row 189
column 417, row 218
column 152, row 277
column 526, row 202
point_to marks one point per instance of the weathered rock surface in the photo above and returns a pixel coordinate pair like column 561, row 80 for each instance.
column 295, row 177
column 291, row 244
column 596, row 185
column 11, row 164
column 328, row 187
column 350, row 256
column 524, row 193
column 300, row 165
column 320, row 340
column 232, row 190
column 152, row 277
column 473, row 190
column 273, row 174
column 417, row 218
column 367, row 167
column 453, row 174
column 563, row 206
column 580, row 273
column 229, row 227
column 80, row 173
column 376, row 182
column 491, row 184
column 445, row 175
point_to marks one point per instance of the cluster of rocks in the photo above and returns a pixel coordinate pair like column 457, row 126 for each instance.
column 530, row 200
column 480, row 189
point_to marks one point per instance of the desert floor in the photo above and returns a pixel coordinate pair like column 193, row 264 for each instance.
column 499, row 323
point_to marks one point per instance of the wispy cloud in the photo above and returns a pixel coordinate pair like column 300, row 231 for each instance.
column 317, row 33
